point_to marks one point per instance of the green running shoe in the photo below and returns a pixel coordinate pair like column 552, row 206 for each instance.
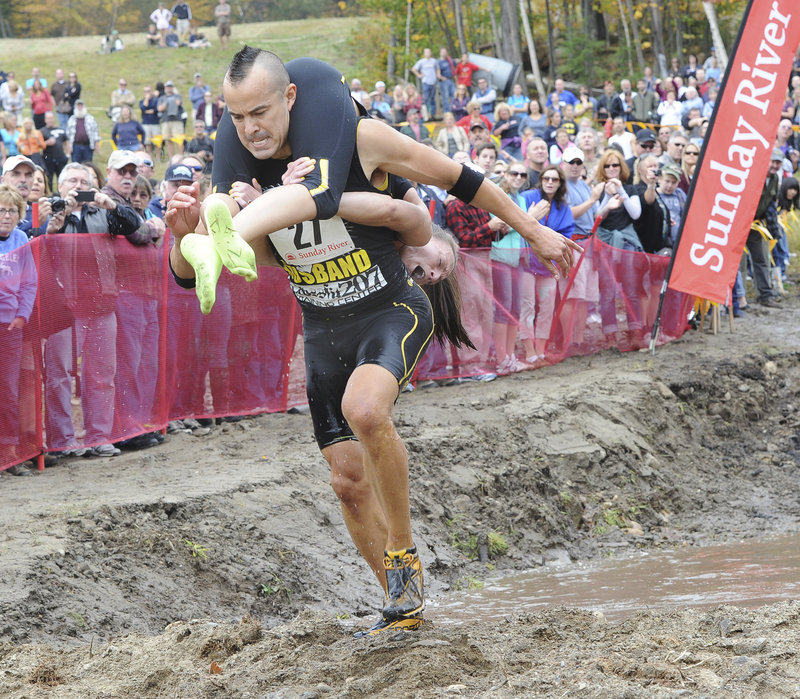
column 201, row 254
column 235, row 253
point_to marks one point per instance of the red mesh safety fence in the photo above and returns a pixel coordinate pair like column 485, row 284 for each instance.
column 115, row 348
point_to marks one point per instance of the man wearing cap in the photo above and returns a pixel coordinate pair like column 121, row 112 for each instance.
column 120, row 178
column 643, row 145
column 415, row 129
column 83, row 133
column 18, row 173
column 121, row 97
column 90, row 285
column 582, row 198
column 757, row 246
column 170, row 109
column 197, row 91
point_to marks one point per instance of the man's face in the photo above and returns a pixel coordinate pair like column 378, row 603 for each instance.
column 608, row 88
column 482, row 84
column 59, row 74
column 618, row 125
column 785, row 128
column 198, row 80
column 169, row 89
column 170, row 188
column 442, row 53
column 537, row 152
column 426, row 53
column 775, row 166
column 21, row 178
column 122, row 179
column 486, row 159
column 49, row 120
column 641, row 86
column 573, row 169
column 260, row 113
column 199, row 129
column 675, row 149
column 626, row 85
column 75, row 179
column 646, row 147
column 559, row 84
column 145, row 164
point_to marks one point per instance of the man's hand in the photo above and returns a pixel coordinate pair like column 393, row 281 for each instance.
column 45, row 208
column 183, row 210
column 17, row 324
column 56, row 222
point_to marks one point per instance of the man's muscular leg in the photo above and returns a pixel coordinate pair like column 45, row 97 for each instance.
column 368, row 406
column 362, row 512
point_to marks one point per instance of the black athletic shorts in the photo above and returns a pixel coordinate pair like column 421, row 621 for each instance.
column 393, row 335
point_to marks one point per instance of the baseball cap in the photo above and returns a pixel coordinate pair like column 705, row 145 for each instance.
column 197, row 75
column 169, row 83
column 79, row 101
column 572, row 153
column 477, row 125
column 120, row 158
column 178, row 172
column 777, row 154
column 671, row 170
column 15, row 161
column 380, row 83
column 646, row 136
column 412, row 111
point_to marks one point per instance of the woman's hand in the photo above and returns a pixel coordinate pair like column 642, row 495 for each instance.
column 297, row 170
column 183, row 210
column 244, row 193
column 540, row 209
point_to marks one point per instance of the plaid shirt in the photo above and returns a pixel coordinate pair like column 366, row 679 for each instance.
column 469, row 224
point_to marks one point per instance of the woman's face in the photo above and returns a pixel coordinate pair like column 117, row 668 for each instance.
column 504, row 113
column 37, row 186
column 690, row 154
column 791, row 193
column 411, row 91
column 534, row 108
column 140, row 199
column 516, row 177
column 449, row 120
column 562, row 138
column 551, row 181
column 430, row 263
column 556, row 118
column 9, row 217
column 612, row 167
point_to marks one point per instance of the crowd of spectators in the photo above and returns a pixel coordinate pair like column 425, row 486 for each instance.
column 618, row 165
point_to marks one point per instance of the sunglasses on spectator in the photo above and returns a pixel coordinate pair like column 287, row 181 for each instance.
column 647, row 146
column 516, row 173
column 551, row 179
column 575, row 162
column 147, row 162
column 608, row 165
column 691, row 152
column 129, row 171
column 196, row 168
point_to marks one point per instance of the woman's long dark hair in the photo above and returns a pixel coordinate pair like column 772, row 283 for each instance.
column 445, row 298
column 784, row 203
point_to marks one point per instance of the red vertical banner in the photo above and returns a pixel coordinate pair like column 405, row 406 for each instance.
column 730, row 177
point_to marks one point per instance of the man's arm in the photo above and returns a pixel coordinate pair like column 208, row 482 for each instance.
column 381, row 147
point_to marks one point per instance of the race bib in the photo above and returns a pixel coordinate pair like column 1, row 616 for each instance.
column 312, row 242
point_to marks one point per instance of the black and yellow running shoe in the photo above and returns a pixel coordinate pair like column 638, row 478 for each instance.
column 406, row 597
column 411, row 623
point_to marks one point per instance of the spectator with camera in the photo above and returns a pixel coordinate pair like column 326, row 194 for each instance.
column 89, row 283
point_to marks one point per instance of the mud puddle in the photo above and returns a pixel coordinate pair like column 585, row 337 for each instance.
column 745, row 574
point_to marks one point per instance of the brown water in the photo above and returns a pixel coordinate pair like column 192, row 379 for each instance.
column 746, row 574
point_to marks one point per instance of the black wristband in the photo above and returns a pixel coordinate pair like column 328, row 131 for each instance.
column 467, row 185
column 183, row 282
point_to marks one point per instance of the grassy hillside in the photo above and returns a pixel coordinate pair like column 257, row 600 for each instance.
column 140, row 65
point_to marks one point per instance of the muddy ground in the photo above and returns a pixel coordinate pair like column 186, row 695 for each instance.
column 218, row 565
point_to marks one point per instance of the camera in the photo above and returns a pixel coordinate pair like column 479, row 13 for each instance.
column 57, row 204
